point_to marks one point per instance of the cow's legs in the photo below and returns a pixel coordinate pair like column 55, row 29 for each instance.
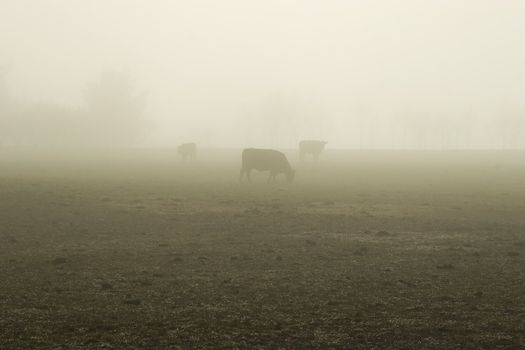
column 271, row 178
column 241, row 173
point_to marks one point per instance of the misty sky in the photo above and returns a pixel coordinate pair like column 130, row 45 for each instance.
column 341, row 70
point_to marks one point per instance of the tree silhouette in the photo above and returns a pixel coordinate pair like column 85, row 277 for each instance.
column 277, row 117
column 4, row 93
column 114, row 109
column 5, row 108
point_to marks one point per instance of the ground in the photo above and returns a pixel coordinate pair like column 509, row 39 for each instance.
column 367, row 249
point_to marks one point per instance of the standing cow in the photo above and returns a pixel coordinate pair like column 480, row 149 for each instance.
column 313, row 147
column 266, row 160
column 188, row 151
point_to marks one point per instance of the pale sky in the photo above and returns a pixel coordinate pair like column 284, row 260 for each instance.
column 210, row 67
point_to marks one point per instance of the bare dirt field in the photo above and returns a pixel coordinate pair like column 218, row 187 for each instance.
column 367, row 249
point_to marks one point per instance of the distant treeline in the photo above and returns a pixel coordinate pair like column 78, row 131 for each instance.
column 112, row 114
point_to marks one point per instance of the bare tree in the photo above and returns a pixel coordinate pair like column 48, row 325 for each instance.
column 115, row 110
column 3, row 85
column 277, row 118
column 5, row 108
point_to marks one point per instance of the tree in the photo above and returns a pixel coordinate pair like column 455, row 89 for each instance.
column 3, row 87
column 5, row 106
column 114, row 109
column 510, row 125
column 277, row 115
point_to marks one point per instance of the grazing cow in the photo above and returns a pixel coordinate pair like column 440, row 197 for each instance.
column 313, row 147
column 265, row 160
column 188, row 150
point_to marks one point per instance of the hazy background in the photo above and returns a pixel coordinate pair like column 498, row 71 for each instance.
column 236, row 73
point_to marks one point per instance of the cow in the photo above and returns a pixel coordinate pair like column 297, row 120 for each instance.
column 187, row 150
column 314, row 147
column 266, row 160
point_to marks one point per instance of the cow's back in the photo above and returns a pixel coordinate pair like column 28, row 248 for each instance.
column 187, row 148
column 264, row 159
column 311, row 146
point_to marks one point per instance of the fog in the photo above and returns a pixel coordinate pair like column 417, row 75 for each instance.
column 137, row 210
column 359, row 74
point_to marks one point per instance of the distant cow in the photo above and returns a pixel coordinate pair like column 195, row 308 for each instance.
column 188, row 150
column 313, row 147
column 266, row 160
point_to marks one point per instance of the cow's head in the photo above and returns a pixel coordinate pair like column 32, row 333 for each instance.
column 290, row 175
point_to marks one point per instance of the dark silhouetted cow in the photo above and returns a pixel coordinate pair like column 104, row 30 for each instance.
column 313, row 147
column 266, row 160
column 188, row 151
